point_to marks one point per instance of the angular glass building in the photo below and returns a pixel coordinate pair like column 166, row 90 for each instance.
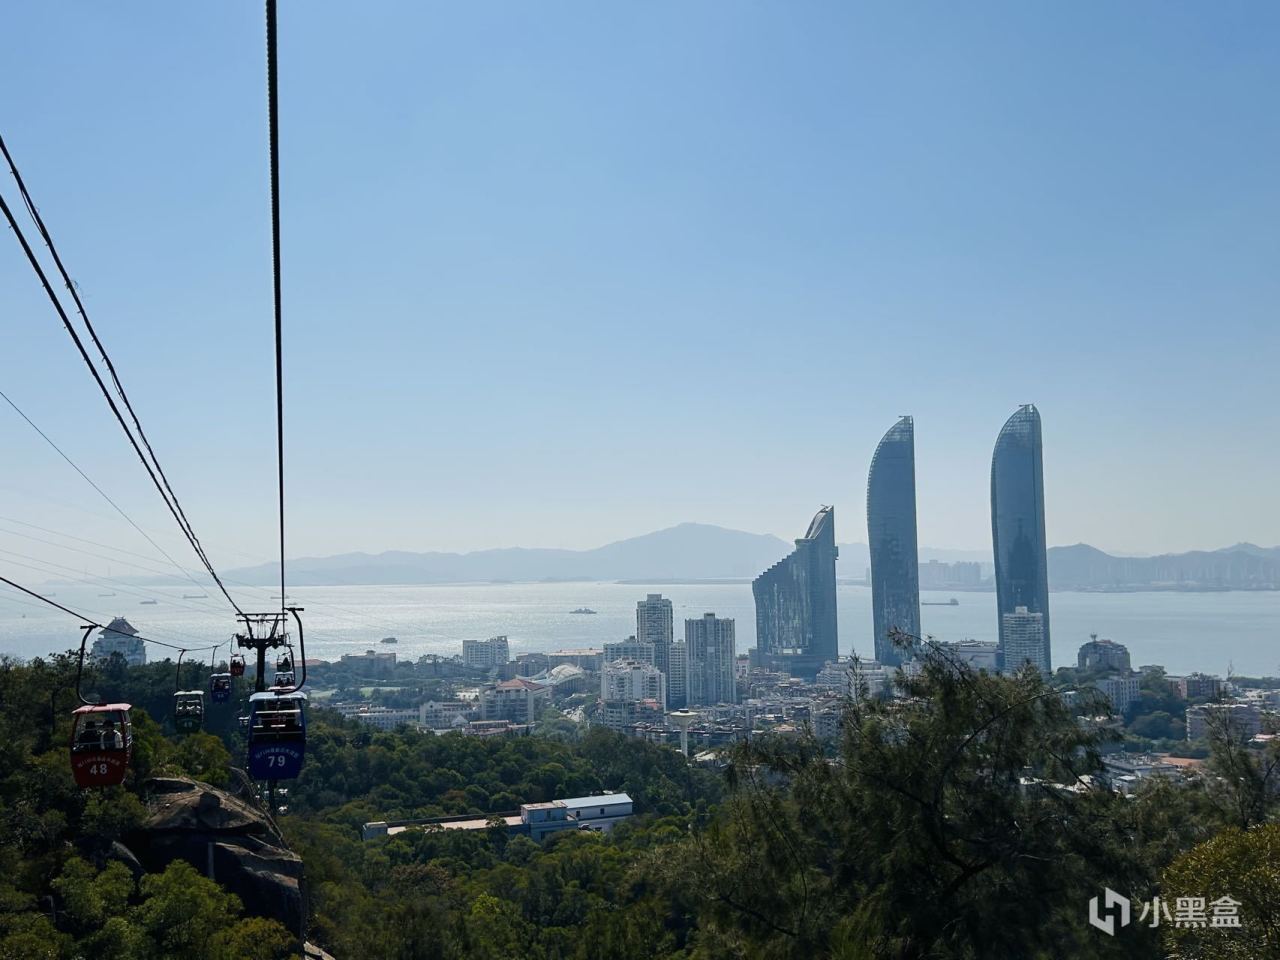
column 1017, row 536
column 891, row 537
column 796, row 603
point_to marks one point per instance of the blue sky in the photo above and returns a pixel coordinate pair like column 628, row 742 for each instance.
column 561, row 273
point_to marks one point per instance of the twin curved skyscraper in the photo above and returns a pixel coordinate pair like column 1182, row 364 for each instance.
column 1017, row 537
column 891, row 538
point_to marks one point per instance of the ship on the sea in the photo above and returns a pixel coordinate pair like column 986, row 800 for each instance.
column 194, row 596
column 582, row 610
column 389, row 640
column 953, row 602
column 149, row 603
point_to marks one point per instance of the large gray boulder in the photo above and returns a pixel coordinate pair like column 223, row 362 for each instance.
column 227, row 838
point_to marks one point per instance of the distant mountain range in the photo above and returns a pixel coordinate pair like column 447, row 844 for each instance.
column 698, row 551
column 690, row 551
column 1245, row 566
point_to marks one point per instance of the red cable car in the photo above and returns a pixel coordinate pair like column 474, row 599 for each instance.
column 101, row 744
column 237, row 665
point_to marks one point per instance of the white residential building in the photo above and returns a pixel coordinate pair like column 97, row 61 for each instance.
column 678, row 676
column 654, row 619
column 977, row 654
column 1122, row 690
column 629, row 649
column 485, row 654
column 519, row 700
column 632, row 680
column 1024, row 639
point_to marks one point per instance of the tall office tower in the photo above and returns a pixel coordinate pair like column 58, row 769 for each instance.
column 1023, row 640
column 655, row 624
column 1017, row 528
column 629, row 649
column 891, row 537
column 796, row 603
column 678, row 678
column 709, row 643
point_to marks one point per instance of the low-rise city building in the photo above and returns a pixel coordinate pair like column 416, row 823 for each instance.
column 1241, row 721
column 1103, row 655
column 1122, row 690
column 519, row 700
column 371, row 663
column 538, row 821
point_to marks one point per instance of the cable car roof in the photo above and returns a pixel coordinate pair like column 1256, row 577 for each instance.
column 271, row 696
column 102, row 707
column 189, row 693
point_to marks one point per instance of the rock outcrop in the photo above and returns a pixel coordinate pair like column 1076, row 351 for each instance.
column 228, row 839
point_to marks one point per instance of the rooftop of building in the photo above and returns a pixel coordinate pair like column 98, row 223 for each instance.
column 604, row 799
column 521, row 683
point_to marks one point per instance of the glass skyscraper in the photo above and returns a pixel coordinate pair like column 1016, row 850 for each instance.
column 891, row 537
column 796, row 603
column 1017, row 536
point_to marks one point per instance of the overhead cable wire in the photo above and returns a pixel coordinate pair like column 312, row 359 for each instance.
column 273, row 123
column 170, row 501
column 88, row 621
column 102, row 493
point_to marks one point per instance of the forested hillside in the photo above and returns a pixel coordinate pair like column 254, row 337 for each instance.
column 961, row 822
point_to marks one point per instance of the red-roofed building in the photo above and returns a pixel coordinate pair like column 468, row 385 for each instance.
column 519, row 700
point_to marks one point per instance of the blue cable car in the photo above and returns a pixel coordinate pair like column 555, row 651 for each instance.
column 277, row 734
column 220, row 687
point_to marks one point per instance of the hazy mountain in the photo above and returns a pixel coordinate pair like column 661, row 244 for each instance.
column 1244, row 566
column 690, row 551
column 699, row 551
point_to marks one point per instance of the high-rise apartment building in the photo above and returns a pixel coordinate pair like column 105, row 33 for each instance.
column 655, row 624
column 709, row 644
column 629, row 649
column 1017, row 531
column 796, row 603
column 678, row 676
column 891, row 538
column 1023, row 640
column 485, row 654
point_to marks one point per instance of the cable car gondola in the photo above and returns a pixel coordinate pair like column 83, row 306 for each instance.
column 188, row 710
column 220, row 687
column 237, row 665
column 101, row 744
column 277, row 734
column 283, row 681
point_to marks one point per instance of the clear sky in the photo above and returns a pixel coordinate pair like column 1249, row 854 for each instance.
column 561, row 273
